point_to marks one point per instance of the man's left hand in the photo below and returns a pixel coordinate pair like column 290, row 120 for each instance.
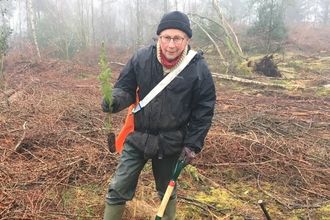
column 187, row 155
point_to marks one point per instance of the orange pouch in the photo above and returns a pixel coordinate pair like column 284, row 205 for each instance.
column 128, row 126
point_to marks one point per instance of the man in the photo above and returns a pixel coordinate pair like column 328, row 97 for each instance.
column 173, row 124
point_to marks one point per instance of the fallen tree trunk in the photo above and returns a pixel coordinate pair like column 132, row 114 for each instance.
column 237, row 79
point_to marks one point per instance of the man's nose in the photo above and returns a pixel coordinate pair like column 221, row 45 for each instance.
column 171, row 43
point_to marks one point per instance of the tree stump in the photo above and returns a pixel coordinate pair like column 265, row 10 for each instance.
column 267, row 67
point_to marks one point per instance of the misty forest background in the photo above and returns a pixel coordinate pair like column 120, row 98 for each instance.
column 63, row 28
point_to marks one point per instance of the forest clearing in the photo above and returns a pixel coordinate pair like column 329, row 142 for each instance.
column 266, row 142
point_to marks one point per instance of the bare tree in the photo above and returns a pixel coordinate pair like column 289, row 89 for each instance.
column 139, row 24
column 233, row 45
column 33, row 26
column 325, row 11
column 92, row 22
column 165, row 5
column 83, row 28
column 225, row 34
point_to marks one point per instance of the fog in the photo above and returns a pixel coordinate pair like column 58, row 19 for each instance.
column 70, row 26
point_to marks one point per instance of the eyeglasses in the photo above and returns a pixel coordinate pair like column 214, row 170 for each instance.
column 176, row 40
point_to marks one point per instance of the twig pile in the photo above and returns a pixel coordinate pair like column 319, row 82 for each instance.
column 283, row 141
column 52, row 138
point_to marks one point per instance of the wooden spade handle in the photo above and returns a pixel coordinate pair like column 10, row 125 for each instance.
column 165, row 200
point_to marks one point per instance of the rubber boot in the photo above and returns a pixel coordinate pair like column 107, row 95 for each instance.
column 113, row 212
column 170, row 210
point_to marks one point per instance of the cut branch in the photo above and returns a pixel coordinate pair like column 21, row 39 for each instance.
column 18, row 146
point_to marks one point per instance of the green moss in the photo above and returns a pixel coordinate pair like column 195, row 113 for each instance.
column 245, row 192
column 81, row 76
column 297, row 65
column 322, row 91
column 230, row 173
column 322, row 213
column 147, row 168
column 219, row 198
column 82, row 200
column 222, row 200
column 190, row 172
column 244, row 70
column 282, row 82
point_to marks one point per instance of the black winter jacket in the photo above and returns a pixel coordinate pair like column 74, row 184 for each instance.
column 180, row 115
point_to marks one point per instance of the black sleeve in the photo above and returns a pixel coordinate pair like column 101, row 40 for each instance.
column 125, row 88
column 202, row 111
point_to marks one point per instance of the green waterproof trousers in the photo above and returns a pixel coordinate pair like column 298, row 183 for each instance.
column 123, row 185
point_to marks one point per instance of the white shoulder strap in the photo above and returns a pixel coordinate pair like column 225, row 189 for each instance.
column 162, row 84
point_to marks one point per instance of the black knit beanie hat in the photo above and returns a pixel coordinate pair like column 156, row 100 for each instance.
column 175, row 20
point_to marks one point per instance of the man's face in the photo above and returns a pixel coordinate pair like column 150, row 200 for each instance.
column 172, row 43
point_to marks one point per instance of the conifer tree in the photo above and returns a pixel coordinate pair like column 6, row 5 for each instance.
column 270, row 24
column 105, row 80
column 106, row 89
